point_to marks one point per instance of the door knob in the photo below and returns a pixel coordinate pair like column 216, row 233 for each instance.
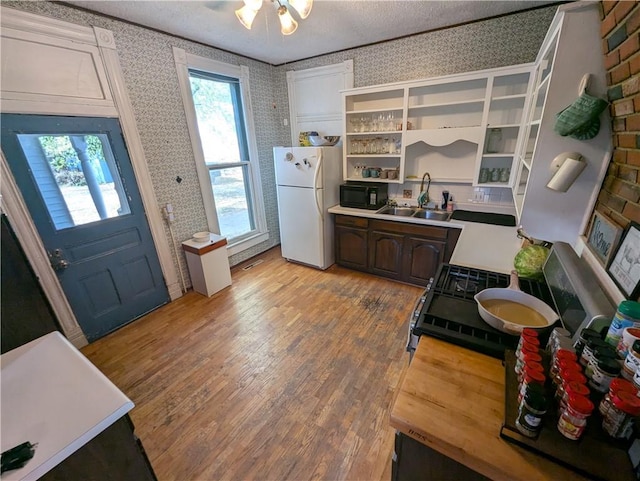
column 57, row 261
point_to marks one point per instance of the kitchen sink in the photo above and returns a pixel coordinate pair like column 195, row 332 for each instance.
column 415, row 212
column 402, row 211
column 432, row 214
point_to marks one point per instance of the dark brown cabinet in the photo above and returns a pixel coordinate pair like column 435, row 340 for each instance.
column 116, row 454
column 385, row 254
column 351, row 242
column 413, row 461
column 422, row 257
column 405, row 252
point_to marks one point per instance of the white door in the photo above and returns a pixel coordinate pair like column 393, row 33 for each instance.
column 298, row 166
column 301, row 227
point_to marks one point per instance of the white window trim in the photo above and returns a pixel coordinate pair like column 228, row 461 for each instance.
column 184, row 61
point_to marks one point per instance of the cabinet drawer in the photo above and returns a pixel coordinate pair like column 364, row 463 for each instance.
column 352, row 221
column 430, row 231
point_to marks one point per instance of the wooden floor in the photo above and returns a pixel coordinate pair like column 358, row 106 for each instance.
column 286, row 375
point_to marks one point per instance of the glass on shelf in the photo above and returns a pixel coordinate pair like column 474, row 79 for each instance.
column 495, row 138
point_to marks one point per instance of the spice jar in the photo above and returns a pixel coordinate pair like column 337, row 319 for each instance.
column 530, row 366
column 572, row 388
column 617, row 385
column 587, row 352
column 618, row 420
column 636, row 379
column 557, row 333
column 529, row 378
column 532, row 408
column 600, row 354
column 631, row 362
column 528, row 335
column 526, row 355
column 573, row 418
column 629, row 336
column 605, row 372
column 563, row 366
column 585, row 336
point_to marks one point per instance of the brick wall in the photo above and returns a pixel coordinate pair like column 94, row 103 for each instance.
column 619, row 197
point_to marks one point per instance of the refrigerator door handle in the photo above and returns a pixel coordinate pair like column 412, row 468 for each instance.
column 315, row 182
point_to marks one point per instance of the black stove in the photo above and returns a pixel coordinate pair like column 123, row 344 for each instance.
column 448, row 311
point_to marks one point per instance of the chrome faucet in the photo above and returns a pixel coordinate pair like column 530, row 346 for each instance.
column 423, row 197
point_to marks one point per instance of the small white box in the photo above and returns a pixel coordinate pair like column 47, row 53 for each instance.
column 208, row 264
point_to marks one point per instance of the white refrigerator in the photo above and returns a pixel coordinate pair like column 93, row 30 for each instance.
column 308, row 183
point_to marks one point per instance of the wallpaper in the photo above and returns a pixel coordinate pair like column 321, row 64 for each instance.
column 150, row 75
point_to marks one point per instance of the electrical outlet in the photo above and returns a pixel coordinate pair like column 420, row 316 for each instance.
column 478, row 196
column 407, row 193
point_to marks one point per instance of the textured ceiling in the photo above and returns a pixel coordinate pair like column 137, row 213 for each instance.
column 333, row 25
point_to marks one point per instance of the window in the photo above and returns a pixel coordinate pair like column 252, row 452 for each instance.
column 216, row 98
column 76, row 176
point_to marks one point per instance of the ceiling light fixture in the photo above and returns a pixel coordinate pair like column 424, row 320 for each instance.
column 288, row 25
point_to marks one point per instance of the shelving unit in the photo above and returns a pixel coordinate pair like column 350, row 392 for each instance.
column 565, row 57
column 441, row 126
column 507, row 97
column 444, row 124
column 532, row 125
column 374, row 121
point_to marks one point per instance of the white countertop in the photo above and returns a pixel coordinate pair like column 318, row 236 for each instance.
column 482, row 246
column 53, row 396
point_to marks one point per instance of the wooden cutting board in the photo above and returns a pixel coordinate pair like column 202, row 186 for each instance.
column 452, row 400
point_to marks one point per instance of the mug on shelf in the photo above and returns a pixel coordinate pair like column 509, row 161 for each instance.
column 375, row 172
column 366, row 172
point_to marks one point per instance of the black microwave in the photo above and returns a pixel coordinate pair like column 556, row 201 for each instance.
column 363, row 196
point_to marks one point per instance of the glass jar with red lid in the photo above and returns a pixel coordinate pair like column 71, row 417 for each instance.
column 567, row 377
column 573, row 418
column 530, row 366
column 572, row 388
column 561, row 367
column 528, row 336
column 617, row 385
column 525, row 357
column 618, row 420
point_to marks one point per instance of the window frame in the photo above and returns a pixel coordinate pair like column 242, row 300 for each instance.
column 185, row 62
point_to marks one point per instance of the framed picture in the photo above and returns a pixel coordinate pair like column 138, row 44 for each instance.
column 603, row 237
column 625, row 267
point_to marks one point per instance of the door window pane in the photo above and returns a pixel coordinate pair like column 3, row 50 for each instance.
column 77, row 177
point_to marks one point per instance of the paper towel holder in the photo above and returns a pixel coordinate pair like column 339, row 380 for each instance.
column 566, row 168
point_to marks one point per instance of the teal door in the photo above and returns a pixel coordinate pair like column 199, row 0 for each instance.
column 76, row 178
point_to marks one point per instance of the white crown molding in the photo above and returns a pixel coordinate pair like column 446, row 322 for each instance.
column 10, row 18
column 105, row 38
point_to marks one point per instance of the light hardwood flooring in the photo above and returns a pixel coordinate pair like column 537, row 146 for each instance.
column 288, row 374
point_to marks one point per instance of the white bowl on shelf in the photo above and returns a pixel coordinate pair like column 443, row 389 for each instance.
column 328, row 141
column 201, row 236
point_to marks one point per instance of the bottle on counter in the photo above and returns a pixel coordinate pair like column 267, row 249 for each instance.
column 617, row 385
column 618, row 420
column 627, row 315
column 532, row 408
column 585, row 336
column 631, row 362
column 573, row 418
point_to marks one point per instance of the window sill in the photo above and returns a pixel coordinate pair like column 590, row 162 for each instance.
column 247, row 243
